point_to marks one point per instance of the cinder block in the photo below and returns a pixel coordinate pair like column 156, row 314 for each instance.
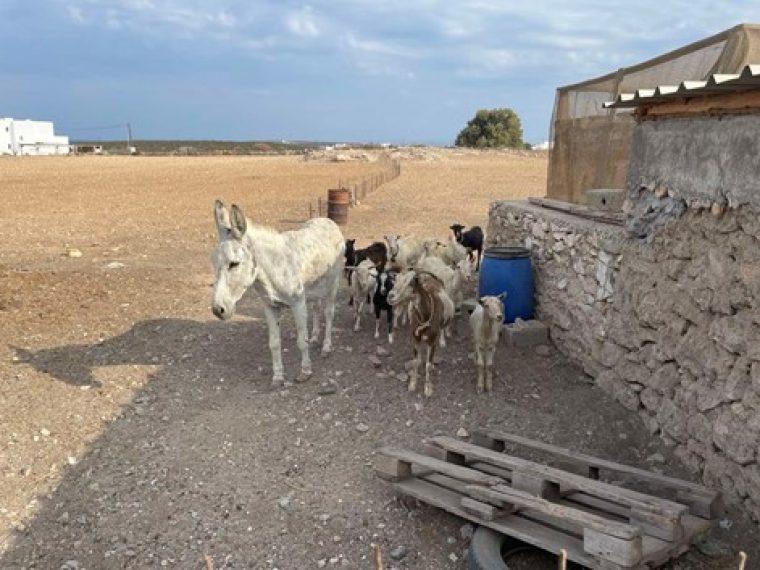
column 521, row 334
column 605, row 199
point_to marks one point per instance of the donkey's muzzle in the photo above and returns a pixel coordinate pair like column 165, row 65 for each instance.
column 220, row 312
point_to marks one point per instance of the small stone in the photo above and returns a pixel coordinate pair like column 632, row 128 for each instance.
column 712, row 548
column 453, row 557
column 73, row 252
column 726, row 524
column 322, row 563
column 398, row 553
column 45, row 432
column 418, row 407
column 451, row 540
column 375, row 361
column 542, row 350
column 326, row 389
column 461, row 432
column 656, row 458
column 71, row 460
column 402, row 377
column 334, row 560
column 381, row 351
column 336, row 538
column 409, row 423
column 466, row 531
column 324, row 517
column 622, row 436
column 362, row 427
column 115, row 265
column 70, row 565
column 284, row 502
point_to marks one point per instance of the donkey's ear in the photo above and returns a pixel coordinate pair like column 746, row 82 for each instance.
column 222, row 218
column 239, row 225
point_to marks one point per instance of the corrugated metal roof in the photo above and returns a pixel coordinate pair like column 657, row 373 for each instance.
column 747, row 80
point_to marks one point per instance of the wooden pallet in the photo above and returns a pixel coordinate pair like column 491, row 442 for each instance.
column 601, row 525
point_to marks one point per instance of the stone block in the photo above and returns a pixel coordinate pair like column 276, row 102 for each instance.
column 606, row 199
column 522, row 334
column 731, row 435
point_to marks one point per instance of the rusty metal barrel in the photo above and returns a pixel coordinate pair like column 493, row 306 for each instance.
column 338, row 200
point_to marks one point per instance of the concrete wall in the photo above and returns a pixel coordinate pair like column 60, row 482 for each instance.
column 31, row 138
column 670, row 325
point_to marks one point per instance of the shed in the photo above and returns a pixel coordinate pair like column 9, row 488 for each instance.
column 591, row 143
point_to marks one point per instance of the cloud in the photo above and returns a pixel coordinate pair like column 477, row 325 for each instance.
column 75, row 14
column 303, row 23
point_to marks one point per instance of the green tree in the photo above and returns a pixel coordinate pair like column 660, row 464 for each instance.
column 492, row 128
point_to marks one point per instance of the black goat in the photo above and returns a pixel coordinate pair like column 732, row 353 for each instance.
column 384, row 285
column 472, row 239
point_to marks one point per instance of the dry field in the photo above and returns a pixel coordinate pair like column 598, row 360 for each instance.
column 138, row 432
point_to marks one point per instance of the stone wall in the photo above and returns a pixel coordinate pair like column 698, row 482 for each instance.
column 669, row 325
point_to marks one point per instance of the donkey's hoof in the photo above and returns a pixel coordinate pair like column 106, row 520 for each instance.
column 278, row 382
column 428, row 390
column 326, row 350
column 303, row 376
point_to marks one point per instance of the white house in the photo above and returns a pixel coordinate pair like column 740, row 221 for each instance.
column 31, row 138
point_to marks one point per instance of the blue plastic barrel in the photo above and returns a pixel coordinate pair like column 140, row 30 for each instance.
column 508, row 268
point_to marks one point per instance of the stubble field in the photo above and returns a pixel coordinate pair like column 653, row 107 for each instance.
column 136, row 431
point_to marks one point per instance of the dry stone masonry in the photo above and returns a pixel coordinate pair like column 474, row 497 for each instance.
column 664, row 314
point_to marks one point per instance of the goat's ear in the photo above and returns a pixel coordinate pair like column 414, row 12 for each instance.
column 502, row 296
column 222, row 218
column 239, row 225
column 351, row 241
column 480, row 302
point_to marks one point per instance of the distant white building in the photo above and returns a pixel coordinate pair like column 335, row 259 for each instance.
column 546, row 145
column 31, row 138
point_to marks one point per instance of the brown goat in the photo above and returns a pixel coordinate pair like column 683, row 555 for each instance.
column 432, row 311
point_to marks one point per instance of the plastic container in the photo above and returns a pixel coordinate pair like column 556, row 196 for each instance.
column 508, row 268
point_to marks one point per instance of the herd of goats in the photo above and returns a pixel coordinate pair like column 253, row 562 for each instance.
column 419, row 280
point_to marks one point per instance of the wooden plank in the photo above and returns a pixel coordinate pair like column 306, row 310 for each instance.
column 626, row 553
column 702, row 501
column 667, row 514
column 510, row 496
column 392, row 469
column 513, row 525
column 536, row 486
column 484, row 510
column 457, row 471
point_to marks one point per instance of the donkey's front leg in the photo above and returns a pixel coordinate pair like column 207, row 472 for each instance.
column 301, row 318
column 272, row 314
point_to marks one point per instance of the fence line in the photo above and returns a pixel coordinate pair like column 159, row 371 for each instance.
column 360, row 188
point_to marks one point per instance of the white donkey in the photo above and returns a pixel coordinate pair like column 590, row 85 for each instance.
column 289, row 268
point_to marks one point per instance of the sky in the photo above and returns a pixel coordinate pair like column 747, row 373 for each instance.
column 399, row 71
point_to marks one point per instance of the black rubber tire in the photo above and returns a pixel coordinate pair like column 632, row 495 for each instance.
column 486, row 547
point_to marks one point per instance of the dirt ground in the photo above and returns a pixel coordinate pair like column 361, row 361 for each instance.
column 137, row 431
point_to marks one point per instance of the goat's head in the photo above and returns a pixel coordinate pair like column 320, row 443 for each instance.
column 393, row 245
column 457, row 229
column 385, row 281
column 235, row 268
column 494, row 306
column 465, row 267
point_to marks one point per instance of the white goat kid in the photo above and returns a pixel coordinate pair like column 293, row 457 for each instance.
column 286, row 269
column 486, row 322
column 363, row 280
column 451, row 252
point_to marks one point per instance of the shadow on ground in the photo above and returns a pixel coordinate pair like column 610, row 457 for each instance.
column 207, row 459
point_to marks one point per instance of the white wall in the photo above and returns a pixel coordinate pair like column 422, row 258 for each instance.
column 31, row 138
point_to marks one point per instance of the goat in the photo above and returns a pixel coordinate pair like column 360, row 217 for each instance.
column 472, row 239
column 406, row 251
column 486, row 323
column 431, row 312
column 376, row 251
column 453, row 279
column 451, row 252
column 362, row 284
column 290, row 268
column 383, row 287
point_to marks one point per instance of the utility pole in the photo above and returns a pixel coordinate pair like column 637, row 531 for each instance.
column 129, row 136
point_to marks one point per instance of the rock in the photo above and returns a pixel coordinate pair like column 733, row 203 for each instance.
column 712, row 548
column 382, row 351
column 362, row 427
column 726, row 524
column 542, row 350
column 70, row 565
column 115, row 265
column 656, row 458
column 73, row 252
column 451, row 540
column 466, row 531
column 45, row 432
column 463, row 433
column 326, row 388
column 322, row 563
column 402, row 377
column 71, row 460
column 398, row 553
column 453, row 557
column 284, row 502
column 375, row 361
